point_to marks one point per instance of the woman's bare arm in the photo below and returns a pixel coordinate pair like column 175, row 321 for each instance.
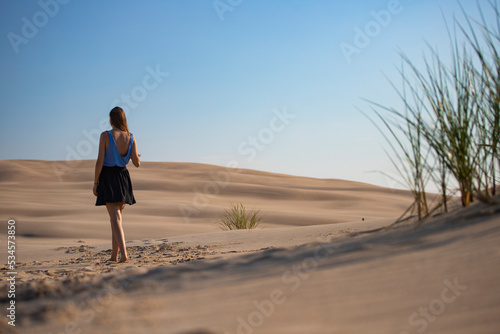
column 134, row 155
column 100, row 160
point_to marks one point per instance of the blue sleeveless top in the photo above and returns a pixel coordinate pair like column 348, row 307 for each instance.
column 112, row 157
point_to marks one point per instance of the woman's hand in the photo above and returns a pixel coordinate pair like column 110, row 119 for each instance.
column 95, row 189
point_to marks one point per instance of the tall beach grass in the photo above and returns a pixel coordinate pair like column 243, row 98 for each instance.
column 448, row 131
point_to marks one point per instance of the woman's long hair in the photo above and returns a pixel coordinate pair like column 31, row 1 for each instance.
column 118, row 119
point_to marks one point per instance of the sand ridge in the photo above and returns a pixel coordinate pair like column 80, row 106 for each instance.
column 180, row 199
column 322, row 262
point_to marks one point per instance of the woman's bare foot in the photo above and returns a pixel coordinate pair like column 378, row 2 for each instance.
column 123, row 259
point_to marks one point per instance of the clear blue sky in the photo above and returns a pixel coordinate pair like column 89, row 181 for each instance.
column 231, row 66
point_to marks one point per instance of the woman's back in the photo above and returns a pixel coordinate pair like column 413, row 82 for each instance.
column 122, row 140
column 118, row 151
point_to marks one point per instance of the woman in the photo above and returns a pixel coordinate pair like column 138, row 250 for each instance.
column 112, row 184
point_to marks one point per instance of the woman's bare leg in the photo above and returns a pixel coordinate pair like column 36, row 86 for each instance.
column 115, row 215
column 114, row 251
column 114, row 242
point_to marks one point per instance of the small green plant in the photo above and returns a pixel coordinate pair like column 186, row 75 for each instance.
column 237, row 218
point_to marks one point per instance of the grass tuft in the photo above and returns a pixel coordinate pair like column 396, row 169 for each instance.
column 237, row 218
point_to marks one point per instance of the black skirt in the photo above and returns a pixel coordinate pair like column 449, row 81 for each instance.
column 114, row 186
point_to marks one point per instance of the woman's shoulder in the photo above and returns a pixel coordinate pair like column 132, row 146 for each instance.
column 105, row 135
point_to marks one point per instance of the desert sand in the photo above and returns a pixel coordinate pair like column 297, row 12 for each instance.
column 320, row 262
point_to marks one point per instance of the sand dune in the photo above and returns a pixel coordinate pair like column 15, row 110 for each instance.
column 315, row 265
column 54, row 199
column 442, row 278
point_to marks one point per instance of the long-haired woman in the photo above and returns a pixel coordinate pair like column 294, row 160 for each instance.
column 112, row 184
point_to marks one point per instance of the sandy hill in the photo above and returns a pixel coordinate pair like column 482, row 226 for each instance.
column 302, row 272
column 54, row 199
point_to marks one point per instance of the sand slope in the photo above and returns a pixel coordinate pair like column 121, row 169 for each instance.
column 54, row 199
column 313, row 267
column 442, row 278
